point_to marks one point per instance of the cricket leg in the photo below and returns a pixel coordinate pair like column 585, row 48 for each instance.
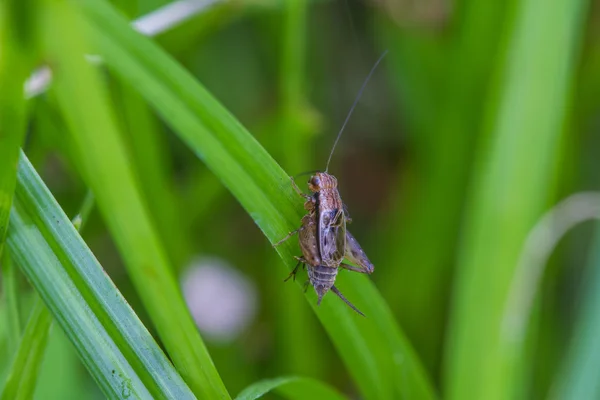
column 297, row 189
column 339, row 217
column 347, row 214
column 289, row 235
column 349, row 267
column 306, row 285
column 293, row 273
column 356, row 255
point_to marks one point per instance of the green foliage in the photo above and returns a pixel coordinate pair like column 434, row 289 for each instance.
column 113, row 344
column 24, row 371
column 230, row 151
column 528, row 115
column 17, row 44
column 291, row 388
column 94, row 135
column 186, row 141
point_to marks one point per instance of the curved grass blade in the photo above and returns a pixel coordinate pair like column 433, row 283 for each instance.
column 21, row 382
column 510, row 190
column 18, row 36
column 114, row 345
column 291, row 387
column 149, row 157
column 578, row 376
column 297, row 345
column 11, row 299
column 382, row 369
column 101, row 154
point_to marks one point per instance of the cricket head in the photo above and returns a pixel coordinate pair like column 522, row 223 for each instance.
column 321, row 181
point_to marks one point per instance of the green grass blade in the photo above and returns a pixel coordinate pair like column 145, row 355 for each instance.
column 11, row 298
column 516, row 167
column 445, row 76
column 68, row 382
column 21, row 382
column 103, row 158
column 578, row 376
column 299, row 349
column 17, row 38
column 150, row 160
column 114, row 345
column 292, row 388
column 18, row 35
column 381, row 362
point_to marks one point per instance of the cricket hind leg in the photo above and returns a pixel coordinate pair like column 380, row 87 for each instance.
column 301, row 261
column 347, row 214
column 338, row 218
column 356, row 255
column 289, row 235
column 306, row 285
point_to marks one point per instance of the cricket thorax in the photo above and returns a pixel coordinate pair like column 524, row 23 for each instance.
column 325, row 188
column 322, row 181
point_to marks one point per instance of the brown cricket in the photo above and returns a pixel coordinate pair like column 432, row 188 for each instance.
column 322, row 277
column 323, row 237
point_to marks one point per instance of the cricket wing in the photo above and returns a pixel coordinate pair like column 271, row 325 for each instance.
column 332, row 237
column 356, row 255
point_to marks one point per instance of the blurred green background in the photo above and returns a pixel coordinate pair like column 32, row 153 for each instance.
column 481, row 118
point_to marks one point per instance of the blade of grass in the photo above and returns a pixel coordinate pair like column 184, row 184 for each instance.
column 102, row 156
column 578, row 375
column 290, row 387
column 510, row 192
column 150, row 161
column 300, row 350
column 446, row 76
column 263, row 189
column 114, row 345
column 21, row 382
column 189, row 32
column 68, row 381
column 519, row 320
column 157, row 22
column 11, row 299
column 18, row 36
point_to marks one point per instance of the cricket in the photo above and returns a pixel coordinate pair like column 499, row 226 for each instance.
column 323, row 238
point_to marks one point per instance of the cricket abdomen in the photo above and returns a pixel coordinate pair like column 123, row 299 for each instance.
column 322, row 278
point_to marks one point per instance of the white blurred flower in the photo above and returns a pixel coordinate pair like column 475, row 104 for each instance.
column 221, row 300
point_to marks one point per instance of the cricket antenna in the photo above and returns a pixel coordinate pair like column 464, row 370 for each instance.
column 336, row 291
column 362, row 88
